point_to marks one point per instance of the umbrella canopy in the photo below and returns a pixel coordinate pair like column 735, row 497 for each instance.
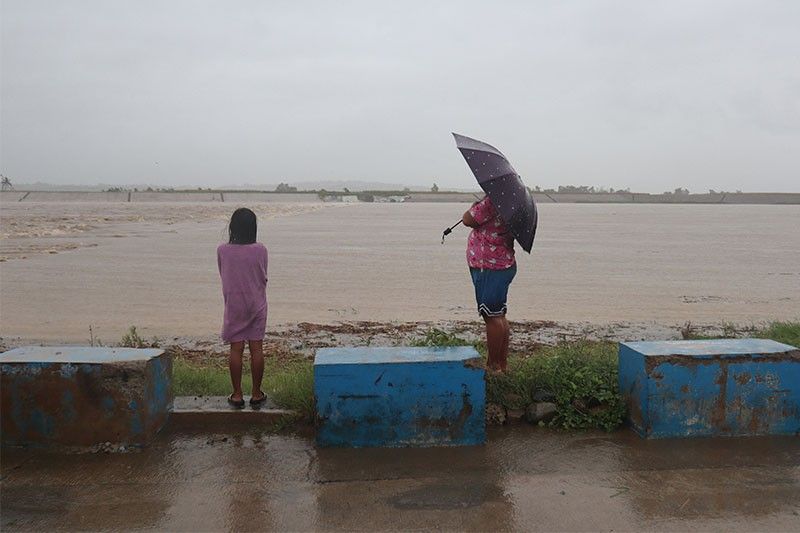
column 501, row 182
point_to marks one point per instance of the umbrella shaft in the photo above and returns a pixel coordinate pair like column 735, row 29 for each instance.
column 449, row 230
column 456, row 224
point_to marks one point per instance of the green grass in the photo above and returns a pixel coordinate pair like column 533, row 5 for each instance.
column 785, row 332
column 132, row 339
column 290, row 384
column 189, row 379
column 439, row 337
column 581, row 376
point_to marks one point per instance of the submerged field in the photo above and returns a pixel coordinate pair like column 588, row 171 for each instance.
column 69, row 267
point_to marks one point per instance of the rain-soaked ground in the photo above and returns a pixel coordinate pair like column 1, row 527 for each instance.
column 525, row 478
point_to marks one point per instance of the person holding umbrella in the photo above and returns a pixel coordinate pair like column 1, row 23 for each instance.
column 490, row 256
column 508, row 212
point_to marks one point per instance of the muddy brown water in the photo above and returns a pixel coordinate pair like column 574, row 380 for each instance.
column 591, row 263
column 523, row 479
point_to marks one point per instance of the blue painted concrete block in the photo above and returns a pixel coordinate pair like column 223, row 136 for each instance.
column 369, row 397
column 711, row 387
column 80, row 396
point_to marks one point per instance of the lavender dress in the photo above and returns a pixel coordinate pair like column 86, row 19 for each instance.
column 243, row 269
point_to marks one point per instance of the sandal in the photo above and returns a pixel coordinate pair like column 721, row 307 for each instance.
column 258, row 401
column 236, row 403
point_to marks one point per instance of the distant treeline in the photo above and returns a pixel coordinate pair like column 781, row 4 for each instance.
column 286, row 188
column 586, row 189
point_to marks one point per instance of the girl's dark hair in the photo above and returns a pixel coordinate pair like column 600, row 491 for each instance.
column 242, row 229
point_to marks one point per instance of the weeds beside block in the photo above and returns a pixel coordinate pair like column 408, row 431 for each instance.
column 80, row 396
column 711, row 387
column 399, row 396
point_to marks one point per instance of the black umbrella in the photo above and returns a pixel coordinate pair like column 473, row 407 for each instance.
column 501, row 182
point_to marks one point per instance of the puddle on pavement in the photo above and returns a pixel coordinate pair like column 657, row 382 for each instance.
column 523, row 478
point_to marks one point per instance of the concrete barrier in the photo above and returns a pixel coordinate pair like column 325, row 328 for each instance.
column 78, row 396
column 711, row 387
column 369, row 397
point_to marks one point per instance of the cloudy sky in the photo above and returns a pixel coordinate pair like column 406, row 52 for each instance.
column 646, row 95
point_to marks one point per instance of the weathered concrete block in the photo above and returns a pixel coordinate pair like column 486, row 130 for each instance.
column 711, row 387
column 399, row 396
column 78, row 396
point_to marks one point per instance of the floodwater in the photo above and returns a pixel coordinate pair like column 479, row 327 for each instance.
column 523, row 479
column 109, row 266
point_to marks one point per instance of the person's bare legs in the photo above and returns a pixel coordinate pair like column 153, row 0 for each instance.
column 495, row 338
column 503, row 360
column 256, row 367
column 235, row 366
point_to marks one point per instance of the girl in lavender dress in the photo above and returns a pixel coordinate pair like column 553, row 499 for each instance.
column 242, row 266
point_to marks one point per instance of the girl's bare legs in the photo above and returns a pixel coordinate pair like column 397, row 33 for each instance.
column 256, row 367
column 235, row 366
column 495, row 337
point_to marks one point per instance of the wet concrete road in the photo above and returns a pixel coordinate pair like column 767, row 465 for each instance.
column 523, row 479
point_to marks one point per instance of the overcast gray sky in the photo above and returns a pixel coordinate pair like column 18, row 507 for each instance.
column 646, row 95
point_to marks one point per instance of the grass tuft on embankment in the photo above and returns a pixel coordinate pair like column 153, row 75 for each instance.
column 579, row 377
column 441, row 338
column 785, row 332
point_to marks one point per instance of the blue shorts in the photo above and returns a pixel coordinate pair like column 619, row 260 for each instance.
column 491, row 289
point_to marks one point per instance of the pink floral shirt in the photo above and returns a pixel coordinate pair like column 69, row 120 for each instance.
column 490, row 245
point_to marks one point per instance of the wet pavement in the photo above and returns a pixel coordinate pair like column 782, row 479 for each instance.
column 525, row 478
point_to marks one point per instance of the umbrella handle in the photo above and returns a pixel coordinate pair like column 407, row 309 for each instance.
column 449, row 230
